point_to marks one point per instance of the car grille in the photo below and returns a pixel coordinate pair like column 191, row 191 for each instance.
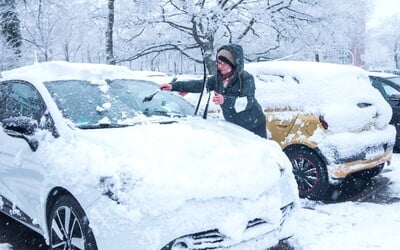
column 213, row 239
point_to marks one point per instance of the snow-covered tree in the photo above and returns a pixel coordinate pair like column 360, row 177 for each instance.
column 61, row 30
column 384, row 44
column 10, row 34
column 170, row 35
column 187, row 27
column 267, row 29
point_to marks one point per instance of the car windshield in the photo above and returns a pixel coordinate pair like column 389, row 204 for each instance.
column 395, row 80
column 114, row 102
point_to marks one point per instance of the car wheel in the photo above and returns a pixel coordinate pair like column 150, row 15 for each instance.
column 69, row 227
column 310, row 172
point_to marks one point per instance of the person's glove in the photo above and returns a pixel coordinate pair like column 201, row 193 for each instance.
column 165, row 86
column 218, row 99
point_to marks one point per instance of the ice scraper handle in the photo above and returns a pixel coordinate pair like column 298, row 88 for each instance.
column 150, row 97
column 168, row 86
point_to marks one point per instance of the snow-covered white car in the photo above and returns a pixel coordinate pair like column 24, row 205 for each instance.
column 90, row 161
column 327, row 118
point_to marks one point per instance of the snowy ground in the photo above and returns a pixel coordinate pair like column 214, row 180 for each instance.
column 346, row 225
column 351, row 225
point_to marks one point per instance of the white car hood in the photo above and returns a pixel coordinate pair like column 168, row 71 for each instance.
column 159, row 167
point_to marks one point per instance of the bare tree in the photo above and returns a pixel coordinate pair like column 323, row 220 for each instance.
column 109, row 33
column 62, row 30
column 171, row 35
column 384, row 43
column 190, row 26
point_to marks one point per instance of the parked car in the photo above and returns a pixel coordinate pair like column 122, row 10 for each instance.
column 383, row 70
column 327, row 118
column 90, row 161
column 389, row 86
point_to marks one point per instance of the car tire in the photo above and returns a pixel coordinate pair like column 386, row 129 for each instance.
column 309, row 171
column 369, row 173
column 69, row 227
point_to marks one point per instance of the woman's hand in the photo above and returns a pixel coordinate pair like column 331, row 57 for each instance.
column 218, row 99
column 166, row 86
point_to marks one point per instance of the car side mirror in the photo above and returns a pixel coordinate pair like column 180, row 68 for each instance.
column 22, row 127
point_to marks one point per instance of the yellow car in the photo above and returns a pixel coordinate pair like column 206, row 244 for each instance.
column 328, row 119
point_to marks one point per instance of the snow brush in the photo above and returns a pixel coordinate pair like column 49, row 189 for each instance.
column 150, row 97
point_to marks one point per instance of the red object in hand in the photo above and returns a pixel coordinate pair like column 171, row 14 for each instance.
column 218, row 99
column 165, row 86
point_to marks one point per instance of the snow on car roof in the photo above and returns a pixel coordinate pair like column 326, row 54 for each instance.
column 382, row 74
column 309, row 73
column 333, row 90
column 61, row 70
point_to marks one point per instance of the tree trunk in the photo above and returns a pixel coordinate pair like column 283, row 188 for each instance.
column 109, row 33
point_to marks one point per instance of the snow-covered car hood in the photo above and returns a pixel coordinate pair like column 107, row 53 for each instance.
column 338, row 92
column 152, row 170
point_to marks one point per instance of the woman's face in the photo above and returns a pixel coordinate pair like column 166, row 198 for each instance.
column 223, row 67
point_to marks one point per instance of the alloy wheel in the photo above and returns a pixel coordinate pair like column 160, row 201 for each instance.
column 66, row 231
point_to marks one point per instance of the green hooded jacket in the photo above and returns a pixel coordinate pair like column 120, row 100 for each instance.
column 241, row 85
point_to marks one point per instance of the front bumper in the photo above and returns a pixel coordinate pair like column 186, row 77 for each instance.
column 116, row 226
column 213, row 239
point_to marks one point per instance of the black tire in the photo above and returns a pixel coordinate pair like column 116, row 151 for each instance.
column 69, row 227
column 369, row 173
column 310, row 172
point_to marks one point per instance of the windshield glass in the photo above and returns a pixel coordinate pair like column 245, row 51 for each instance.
column 395, row 80
column 114, row 102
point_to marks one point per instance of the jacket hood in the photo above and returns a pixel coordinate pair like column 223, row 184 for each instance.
column 237, row 52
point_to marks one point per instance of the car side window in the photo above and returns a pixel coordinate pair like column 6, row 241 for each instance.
column 3, row 89
column 390, row 91
column 21, row 99
column 379, row 86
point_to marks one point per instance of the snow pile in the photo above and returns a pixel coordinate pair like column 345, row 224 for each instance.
column 156, row 161
column 338, row 92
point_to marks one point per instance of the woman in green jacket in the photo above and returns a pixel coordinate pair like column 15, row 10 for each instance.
column 234, row 90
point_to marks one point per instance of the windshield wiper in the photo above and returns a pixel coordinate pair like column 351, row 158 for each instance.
column 158, row 112
column 103, row 125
